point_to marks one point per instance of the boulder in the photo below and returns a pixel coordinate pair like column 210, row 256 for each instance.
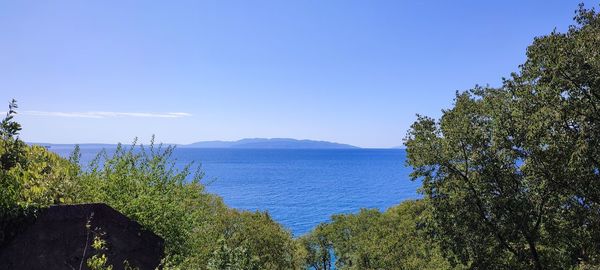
column 61, row 238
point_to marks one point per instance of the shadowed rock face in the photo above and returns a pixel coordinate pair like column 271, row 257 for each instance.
column 58, row 237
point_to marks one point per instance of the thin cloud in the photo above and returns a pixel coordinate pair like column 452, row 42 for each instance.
column 99, row 115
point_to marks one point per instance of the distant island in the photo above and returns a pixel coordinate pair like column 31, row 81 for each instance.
column 254, row 143
column 275, row 143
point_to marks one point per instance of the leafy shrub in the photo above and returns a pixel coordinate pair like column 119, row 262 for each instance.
column 370, row 239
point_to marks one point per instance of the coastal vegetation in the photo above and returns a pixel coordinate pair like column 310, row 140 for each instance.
column 510, row 180
column 142, row 183
column 510, row 175
column 371, row 239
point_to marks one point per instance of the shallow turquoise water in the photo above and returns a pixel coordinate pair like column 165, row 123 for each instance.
column 300, row 188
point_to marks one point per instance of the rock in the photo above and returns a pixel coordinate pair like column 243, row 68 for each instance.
column 58, row 238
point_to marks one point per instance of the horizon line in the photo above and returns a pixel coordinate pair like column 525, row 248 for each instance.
column 188, row 144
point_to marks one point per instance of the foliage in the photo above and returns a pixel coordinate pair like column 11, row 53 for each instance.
column 374, row 240
column 12, row 147
column 512, row 172
column 11, row 155
column 258, row 242
column 143, row 183
column 228, row 258
column 316, row 248
column 30, row 177
column 98, row 261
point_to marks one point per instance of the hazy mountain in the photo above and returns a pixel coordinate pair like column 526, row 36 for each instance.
column 275, row 143
column 256, row 143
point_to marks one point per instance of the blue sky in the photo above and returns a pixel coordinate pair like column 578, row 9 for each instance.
column 353, row 72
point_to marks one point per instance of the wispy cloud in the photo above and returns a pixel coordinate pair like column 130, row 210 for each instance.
column 107, row 114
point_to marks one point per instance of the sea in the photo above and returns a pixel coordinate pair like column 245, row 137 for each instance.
column 299, row 188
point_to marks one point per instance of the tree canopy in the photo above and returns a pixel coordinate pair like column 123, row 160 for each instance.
column 512, row 173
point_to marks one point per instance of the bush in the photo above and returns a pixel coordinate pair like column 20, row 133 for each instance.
column 395, row 239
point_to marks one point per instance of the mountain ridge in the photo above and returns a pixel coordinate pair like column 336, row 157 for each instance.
column 247, row 143
column 270, row 143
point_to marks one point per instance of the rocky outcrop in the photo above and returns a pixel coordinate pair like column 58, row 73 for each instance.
column 61, row 238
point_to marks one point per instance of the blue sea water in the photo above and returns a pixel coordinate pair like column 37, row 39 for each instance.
column 299, row 188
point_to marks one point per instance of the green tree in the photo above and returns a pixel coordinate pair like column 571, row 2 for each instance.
column 236, row 258
column 258, row 241
column 30, row 178
column 11, row 155
column 12, row 147
column 370, row 239
column 317, row 248
column 512, row 173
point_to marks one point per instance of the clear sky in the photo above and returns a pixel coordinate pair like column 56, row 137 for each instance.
column 347, row 71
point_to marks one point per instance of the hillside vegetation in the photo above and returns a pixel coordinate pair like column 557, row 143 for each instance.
column 510, row 180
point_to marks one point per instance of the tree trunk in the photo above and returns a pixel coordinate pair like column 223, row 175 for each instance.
column 535, row 256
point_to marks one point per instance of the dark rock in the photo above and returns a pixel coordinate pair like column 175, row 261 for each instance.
column 58, row 237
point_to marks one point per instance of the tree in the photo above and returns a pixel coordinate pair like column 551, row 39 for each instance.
column 370, row 239
column 256, row 242
column 11, row 156
column 317, row 248
column 512, row 173
column 30, row 178
column 12, row 146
